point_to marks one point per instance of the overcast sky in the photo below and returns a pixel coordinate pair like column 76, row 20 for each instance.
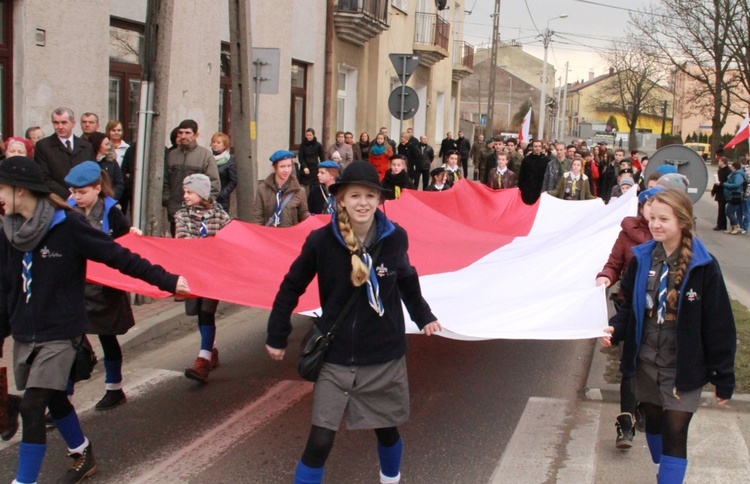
column 587, row 28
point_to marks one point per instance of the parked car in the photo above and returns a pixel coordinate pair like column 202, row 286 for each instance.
column 703, row 149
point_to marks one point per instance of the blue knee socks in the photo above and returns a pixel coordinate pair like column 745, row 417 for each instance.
column 208, row 334
column 308, row 475
column 113, row 371
column 671, row 470
column 654, row 446
column 390, row 458
column 71, row 431
column 30, row 457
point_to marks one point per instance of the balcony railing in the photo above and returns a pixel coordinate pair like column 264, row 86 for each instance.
column 358, row 21
column 463, row 54
column 375, row 9
column 432, row 30
column 431, row 37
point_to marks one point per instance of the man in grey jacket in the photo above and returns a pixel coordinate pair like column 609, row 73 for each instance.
column 187, row 159
column 556, row 168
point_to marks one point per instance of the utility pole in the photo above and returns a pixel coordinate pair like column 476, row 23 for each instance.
column 479, row 103
column 158, row 37
column 565, row 101
column 559, row 110
column 244, row 123
column 493, row 69
column 663, row 120
column 546, row 37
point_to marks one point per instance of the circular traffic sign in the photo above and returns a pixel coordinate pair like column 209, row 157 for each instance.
column 411, row 102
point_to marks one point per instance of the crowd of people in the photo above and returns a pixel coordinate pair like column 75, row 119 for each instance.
column 72, row 193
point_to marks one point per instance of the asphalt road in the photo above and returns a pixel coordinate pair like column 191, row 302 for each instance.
column 250, row 423
column 466, row 398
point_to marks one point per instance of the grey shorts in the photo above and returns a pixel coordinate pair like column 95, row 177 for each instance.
column 372, row 396
column 654, row 384
column 43, row 365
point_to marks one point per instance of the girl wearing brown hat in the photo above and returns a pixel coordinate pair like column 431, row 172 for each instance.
column 361, row 262
column 43, row 252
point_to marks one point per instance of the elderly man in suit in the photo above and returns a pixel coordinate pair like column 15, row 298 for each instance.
column 58, row 153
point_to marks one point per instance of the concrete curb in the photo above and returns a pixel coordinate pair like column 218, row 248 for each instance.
column 597, row 389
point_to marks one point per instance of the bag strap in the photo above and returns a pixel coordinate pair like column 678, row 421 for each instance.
column 352, row 299
column 286, row 200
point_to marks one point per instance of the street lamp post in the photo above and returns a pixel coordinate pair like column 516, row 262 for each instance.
column 510, row 98
column 546, row 36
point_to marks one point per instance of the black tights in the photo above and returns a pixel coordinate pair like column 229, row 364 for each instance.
column 35, row 400
column 672, row 425
column 320, row 443
column 110, row 347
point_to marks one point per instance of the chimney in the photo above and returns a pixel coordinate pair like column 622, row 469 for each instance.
column 591, row 75
column 611, row 71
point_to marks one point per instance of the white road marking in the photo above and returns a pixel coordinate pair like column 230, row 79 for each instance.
column 532, row 455
column 580, row 464
column 190, row 460
column 717, row 451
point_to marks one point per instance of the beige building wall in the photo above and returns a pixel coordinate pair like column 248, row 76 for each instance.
column 193, row 89
column 71, row 67
column 297, row 28
column 376, row 78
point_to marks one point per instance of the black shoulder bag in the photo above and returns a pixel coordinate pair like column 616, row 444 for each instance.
column 85, row 360
column 315, row 343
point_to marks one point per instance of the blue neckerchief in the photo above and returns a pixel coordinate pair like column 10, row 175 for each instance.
column 28, row 257
column 203, row 232
column 277, row 210
column 662, row 308
column 384, row 227
column 26, row 274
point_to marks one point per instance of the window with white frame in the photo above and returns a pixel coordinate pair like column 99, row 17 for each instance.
column 347, row 99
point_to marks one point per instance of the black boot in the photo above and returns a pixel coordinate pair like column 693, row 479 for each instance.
column 625, row 431
column 111, row 399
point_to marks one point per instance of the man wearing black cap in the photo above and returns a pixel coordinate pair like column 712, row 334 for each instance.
column 58, row 153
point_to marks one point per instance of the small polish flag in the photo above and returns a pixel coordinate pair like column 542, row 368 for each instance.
column 523, row 133
column 742, row 134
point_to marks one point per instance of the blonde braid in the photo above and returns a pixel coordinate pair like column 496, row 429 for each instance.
column 682, row 263
column 360, row 272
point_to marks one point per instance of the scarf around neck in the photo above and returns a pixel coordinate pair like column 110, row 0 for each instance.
column 222, row 157
column 31, row 230
column 377, row 149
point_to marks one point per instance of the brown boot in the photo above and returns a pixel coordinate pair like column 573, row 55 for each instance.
column 200, row 370
column 214, row 358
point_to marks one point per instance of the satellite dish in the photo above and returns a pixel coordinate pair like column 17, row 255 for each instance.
column 687, row 162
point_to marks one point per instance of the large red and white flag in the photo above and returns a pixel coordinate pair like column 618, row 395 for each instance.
column 742, row 135
column 524, row 132
column 490, row 266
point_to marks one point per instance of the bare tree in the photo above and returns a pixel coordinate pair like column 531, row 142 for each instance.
column 692, row 37
column 739, row 48
column 632, row 90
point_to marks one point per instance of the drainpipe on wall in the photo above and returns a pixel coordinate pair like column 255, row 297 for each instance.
column 328, row 80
